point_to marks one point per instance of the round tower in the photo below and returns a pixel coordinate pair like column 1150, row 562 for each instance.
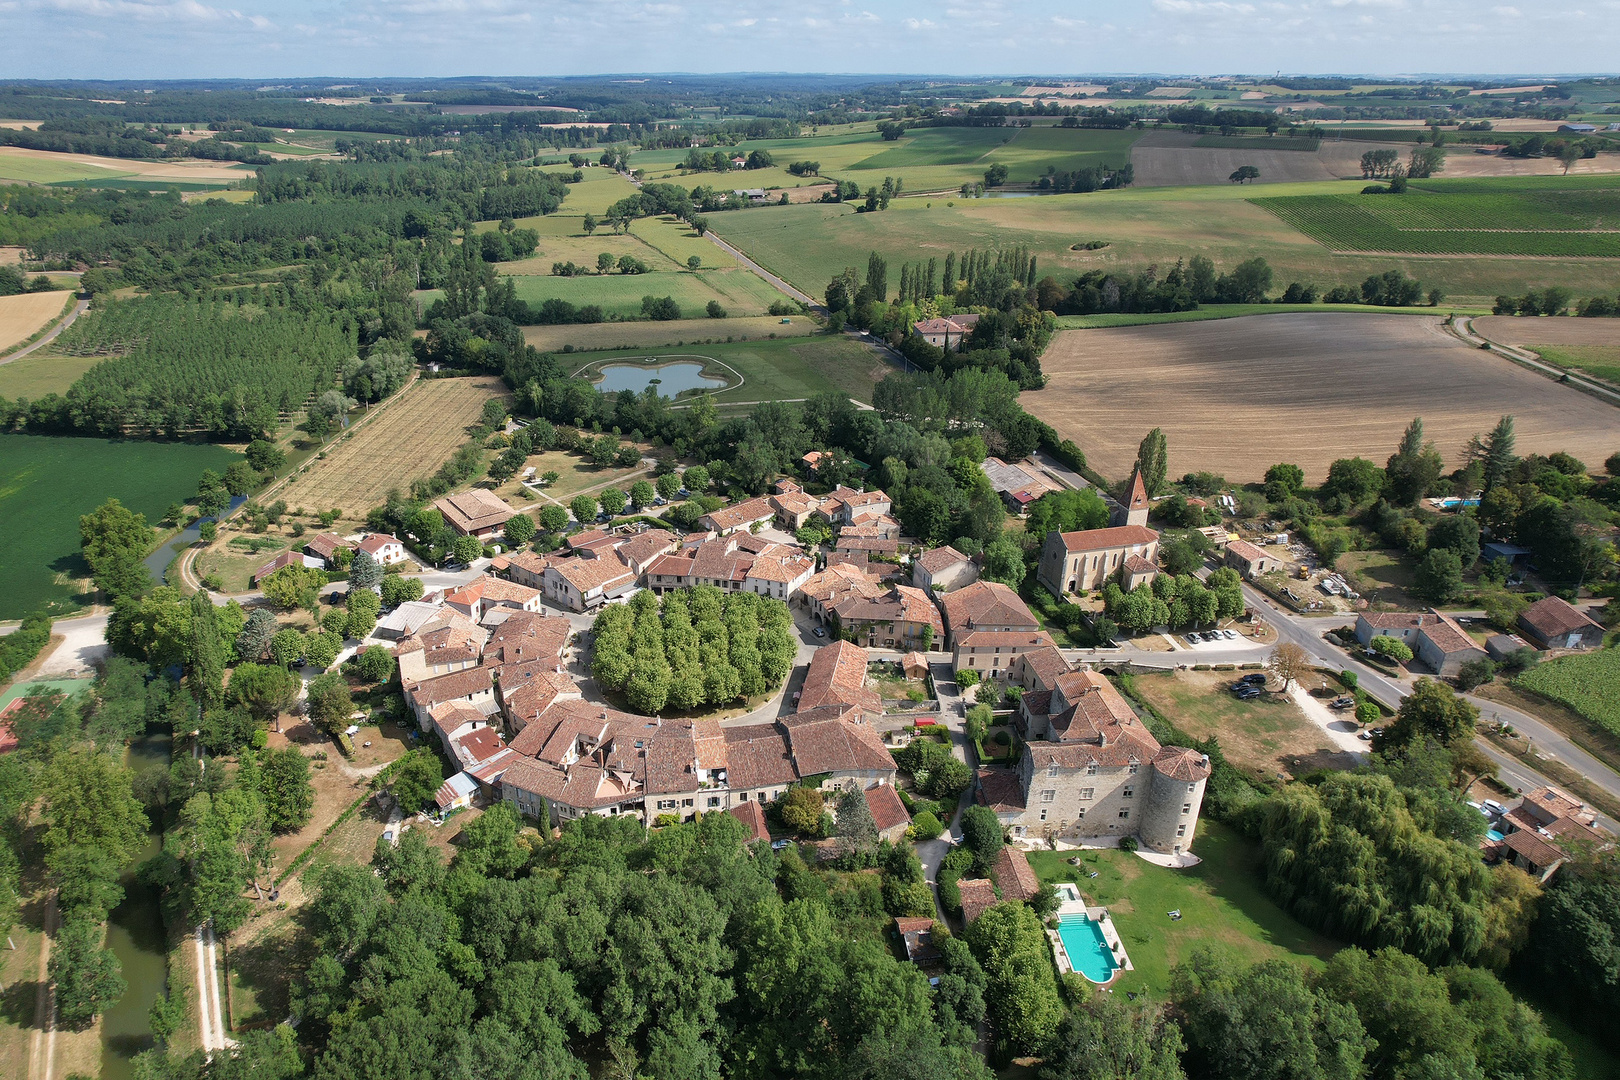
column 1175, row 796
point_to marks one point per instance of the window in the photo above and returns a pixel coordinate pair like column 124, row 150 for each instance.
column 1048, row 795
column 1191, row 788
column 1186, row 808
column 1091, row 770
column 1052, row 769
column 1088, row 793
column 714, row 801
column 1080, row 814
column 1043, row 815
column 1123, row 814
column 1128, row 792
column 1133, row 768
column 686, row 802
column 1181, row 830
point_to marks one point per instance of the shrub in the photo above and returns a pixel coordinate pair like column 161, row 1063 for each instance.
column 802, row 809
column 925, row 826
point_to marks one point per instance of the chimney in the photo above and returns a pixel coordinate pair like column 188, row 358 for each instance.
column 1204, row 760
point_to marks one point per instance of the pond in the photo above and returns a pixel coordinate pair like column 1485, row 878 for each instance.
column 671, row 379
column 136, row 935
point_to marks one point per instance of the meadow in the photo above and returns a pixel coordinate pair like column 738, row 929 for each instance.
column 738, row 291
column 1235, row 396
column 808, row 244
column 648, row 333
column 47, row 483
column 1458, row 220
column 420, row 427
column 785, row 369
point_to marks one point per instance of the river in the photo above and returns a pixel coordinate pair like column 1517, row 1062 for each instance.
column 136, row 935
column 159, row 560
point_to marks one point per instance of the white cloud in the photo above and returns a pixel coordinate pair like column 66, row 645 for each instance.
column 921, row 24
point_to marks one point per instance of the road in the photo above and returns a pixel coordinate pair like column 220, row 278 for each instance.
column 765, row 274
column 1464, row 329
column 78, row 309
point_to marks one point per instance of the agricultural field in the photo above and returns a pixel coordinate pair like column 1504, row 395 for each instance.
column 647, row 334
column 1464, row 218
column 46, row 167
column 26, row 314
column 43, row 372
column 1142, row 226
column 418, row 431
column 1590, row 346
column 47, row 483
column 1256, row 142
column 1588, row 683
column 1177, row 159
column 740, row 292
column 786, row 369
column 1235, row 396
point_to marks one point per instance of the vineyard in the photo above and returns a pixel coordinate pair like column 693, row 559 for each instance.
column 177, row 366
column 1581, row 222
column 1588, row 683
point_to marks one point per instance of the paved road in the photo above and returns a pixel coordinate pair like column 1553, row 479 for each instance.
column 78, row 309
column 1464, row 329
column 775, row 281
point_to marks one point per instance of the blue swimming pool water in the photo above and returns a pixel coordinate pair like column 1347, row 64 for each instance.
column 1492, row 834
column 1088, row 950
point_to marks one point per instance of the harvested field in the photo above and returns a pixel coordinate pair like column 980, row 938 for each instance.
column 1512, row 330
column 1176, row 159
column 24, row 315
column 417, row 433
column 48, row 167
column 1235, row 396
column 634, row 335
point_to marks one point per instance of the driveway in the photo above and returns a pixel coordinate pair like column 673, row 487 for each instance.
column 1341, row 728
column 84, row 645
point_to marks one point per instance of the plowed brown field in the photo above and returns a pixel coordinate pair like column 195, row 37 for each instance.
column 1235, row 396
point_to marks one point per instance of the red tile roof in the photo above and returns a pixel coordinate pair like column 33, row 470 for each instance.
column 752, row 814
column 1107, row 539
column 837, row 676
column 1553, row 617
column 1000, row 790
column 978, row 896
column 1014, row 875
column 986, row 603
column 887, row 809
column 1245, row 551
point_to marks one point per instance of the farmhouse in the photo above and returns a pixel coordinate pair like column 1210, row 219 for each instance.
column 943, row 569
column 325, row 547
column 1075, row 562
column 985, row 605
column 1091, row 769
column 475, row 512
column 948, row 332
column 1555, row 624
column 385, row 549
column 1433, row 636
column 1248, row 560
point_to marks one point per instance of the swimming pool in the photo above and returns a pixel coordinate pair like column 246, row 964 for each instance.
column 1088, row 950
column 1492, row 834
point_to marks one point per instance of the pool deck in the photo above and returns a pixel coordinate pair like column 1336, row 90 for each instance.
column 1072, row 903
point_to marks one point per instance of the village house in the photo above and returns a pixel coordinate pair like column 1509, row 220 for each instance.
column 1539, row 834
column 1433, row 636
column 282, row 561
column 985, row 605
column 752, row 814
column 325, row 547
column 840, row 581
column 837, row 676
column 1091, row 769
column 524, row 567
column 894, row 619
column 743, row 515
column 847, row 506
column 994, row 653
column 588, row 580
column 943, row 569
column 1248, row 560
column 947, row 332
column 888, row 813
column 476, row 512
column 1078, row 562
column 482, row 594
column 472, row 685
column 794, row 508
column 1555, row 624
column 917, row 935
column 383, row 549
column 735, row 563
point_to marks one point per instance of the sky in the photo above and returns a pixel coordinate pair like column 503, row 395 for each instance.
column 133, row 39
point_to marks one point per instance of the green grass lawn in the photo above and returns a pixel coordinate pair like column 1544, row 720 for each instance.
column 42, row 373
column 807, row 244
column 783, row 369
column 46, row 483
column 1221, row 900
column 1385, row 577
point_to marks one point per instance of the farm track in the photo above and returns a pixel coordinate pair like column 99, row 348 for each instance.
column 79, row 308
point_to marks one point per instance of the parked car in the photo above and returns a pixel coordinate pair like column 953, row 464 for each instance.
column 1254, row 678
column 1194, row 637
column 1345, row 702
column 1364, row 736
column 1249, row 692
column 1230, row 635
column 819, row 632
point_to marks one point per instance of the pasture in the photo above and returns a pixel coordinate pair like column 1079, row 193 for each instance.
column 1177, row 159
column 808, row 244
column 1236, row 396
column 786, row 369
column 1463, row 220
column 43, row 372
column 418, row 431
column 26, row 314
column 46, row 483
column 641, row 335
column 740, row 292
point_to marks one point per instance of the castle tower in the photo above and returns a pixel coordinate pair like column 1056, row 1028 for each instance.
column 1175, row 796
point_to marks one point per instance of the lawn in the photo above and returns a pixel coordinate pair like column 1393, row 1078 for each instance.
column 1588, row 683
column 740, row 292
column 47, row 483
column 807, row 244
column 42, row 373
column 786, row 369
column 1264, row 736
column 1383, row 577
column 1222, row 902
column 574, row 475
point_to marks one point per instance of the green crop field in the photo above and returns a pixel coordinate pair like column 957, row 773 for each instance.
column 1469, row 219
column 47, row 483
column 1256, row 142
column 739, row 291
column 1588, row 683
column 780, row 370
column 807, row 244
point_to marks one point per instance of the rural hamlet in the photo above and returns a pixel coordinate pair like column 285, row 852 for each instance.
column 679, row 543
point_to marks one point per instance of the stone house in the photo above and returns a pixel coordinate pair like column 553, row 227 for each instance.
column 943, row 569
column 1555, row 624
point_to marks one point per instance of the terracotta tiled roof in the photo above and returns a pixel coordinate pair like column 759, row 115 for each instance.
column 823, row 742
column 1047, row 663
column 492, row 590
column 781, row 568
column 985, row 603
column 1107, row 539
column 326, row 544
column 640, row 549
column 758, row 756
column 942, row 558
column 837, row 676
column 887, row 809
column 374, row 543
column 743, row 513
column 1536, row 849
column 882, row 545
column 474, row 510
column 587, row 574
column 527, row 636
column 1448, row 637
column 1179, row 763
column 752, row 814
column 978, row 896
column 454, row 685
column 1135, row 564
column 1014, row 875
column 1000, row 790
column 1245, row 551
column 1011, row 640
column 1552, row 617
column 478, row 745
column 280, row 562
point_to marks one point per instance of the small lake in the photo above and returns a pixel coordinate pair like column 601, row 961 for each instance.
column 136, row 935
column 671, row 379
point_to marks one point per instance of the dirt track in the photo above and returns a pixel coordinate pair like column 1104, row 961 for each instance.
column 1235, row 396
column 1549, row 331
column 22, row 316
